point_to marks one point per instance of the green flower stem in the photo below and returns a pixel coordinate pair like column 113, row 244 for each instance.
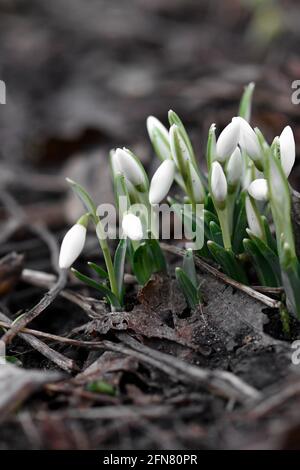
column 107, row 257
column 230, row 204
column 224, row 224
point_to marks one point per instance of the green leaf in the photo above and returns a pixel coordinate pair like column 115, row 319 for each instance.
column 189, row 290
column 228, row 262
column 280, row 200
column 100, row 287
column 100, row 271
column 142, row 263
column 246, row 102
column 148, row 259
column 159, row 260
column 189, row 267
column 119, row 264
column 216, row 233
column 291, row 283
column 262, row 267
column 270, row 257
column 121, row 191
column 240, row 224
column 99, row 386
column 211, row 146
column 175, row 119
column 84, row 197
column 270, row 240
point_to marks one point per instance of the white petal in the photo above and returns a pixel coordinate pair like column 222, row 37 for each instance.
column 258, row 189
column 132, row 227
column 235, row 167
column 287, row 150
column 218, row 182
column 159, row 137
column 72, row 245
column 228, row 141
column 130, row 168
column 253, row 222
column 161, row 181
column 248, row 139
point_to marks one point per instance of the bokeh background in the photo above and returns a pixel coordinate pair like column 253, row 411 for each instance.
column 82, row 76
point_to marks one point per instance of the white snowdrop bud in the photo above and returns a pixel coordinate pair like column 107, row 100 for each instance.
column 248, row 140
column 159, row 137
column 254, row 222
column 73, row 243
column 258, row 189
column 197, row 185
column 126, row 164
column 228, row 140
column 287, row 150
column 235, row 168
column 132, row 227
column 161, row 181
column 114, row 162
column 218, row 183
column 179, row 149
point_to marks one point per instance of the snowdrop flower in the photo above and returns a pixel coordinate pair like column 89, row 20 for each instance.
column 258, row 189
column 218, row 183
column 132, row 227
column 124, row 162
column 73, row 243
column 161, row 182
column 159, row 137
column 253, row 219
column 179, row 149
column 287, row 150
column 228, row 140
column 234, row 168
column 197, row 185
column 248, row 140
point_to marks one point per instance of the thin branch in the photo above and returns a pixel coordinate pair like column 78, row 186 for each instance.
column 226, row 279
column 54, row 356
column 35, row 311
column 219, row 382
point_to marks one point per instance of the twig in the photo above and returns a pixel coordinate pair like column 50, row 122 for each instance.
column 92, row 307
column 221, row 276
column 223, row 382
column 220, row 382
column 34, row 312
column 21, row 219
column 57, row 358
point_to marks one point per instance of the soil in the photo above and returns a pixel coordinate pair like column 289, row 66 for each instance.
column 81, row 78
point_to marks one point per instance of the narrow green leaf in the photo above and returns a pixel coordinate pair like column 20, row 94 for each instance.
column 228, row 262
column 216, row 233
column 96, row 285
column 188, row 267
column 211, row 146
column 84, row 197
column 240, row 224
column 262, row 267
column 119, row 264
column 246, row 102
column 175, row 119
column 270, row 257
column 189, row 290
column 100, row 271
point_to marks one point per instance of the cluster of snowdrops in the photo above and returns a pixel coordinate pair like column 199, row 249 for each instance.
column 246, row 217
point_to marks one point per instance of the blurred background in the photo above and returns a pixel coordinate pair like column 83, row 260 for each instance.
column 83, row 75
